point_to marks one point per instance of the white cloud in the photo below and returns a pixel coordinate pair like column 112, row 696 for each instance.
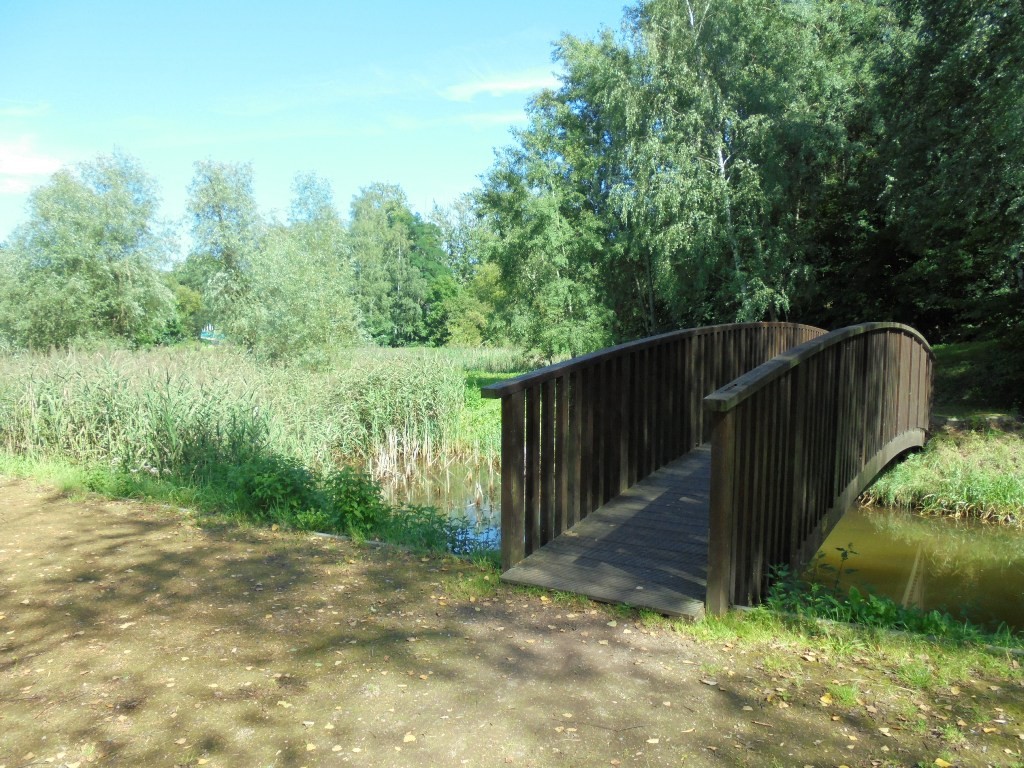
column 525, row 82
column 22, row 167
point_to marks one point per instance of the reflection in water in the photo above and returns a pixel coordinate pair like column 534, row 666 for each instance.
column 470, row 493
column 971, row 570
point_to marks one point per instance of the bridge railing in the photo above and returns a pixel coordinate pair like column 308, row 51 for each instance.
column 578, row 433
column 796, row 440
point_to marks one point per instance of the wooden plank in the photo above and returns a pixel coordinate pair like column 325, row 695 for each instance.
column 613, row 429
column 721, row 533
column 633, row 427
column 653, row 536
column 600, row 412
column 622, row 425
column 586, row 441
column 797, row 498
column 562, row 463
column 573, row 449
column 615, row 587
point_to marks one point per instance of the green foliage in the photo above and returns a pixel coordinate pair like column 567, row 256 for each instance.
column 354, row 499
column 978, row 375
column 227, row 232
column 400, row 269
column 276, row 489
column 810, row 598
column 968, row 474
column 189, row 412
column 955, row 147
column 675, row 177
column 84, row 264
column 272, row 489
column 300, row 304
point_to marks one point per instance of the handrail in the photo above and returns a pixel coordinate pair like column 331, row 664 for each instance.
column 519, row 383
column 577, row 433
column 739, row 389
column 795, row 440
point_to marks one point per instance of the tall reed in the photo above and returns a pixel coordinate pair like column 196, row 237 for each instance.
column 191, row 411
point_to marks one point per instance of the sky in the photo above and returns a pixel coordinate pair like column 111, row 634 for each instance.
column 418, row 94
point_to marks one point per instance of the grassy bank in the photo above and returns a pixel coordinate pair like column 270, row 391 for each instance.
column 963, row 474
column 971, row 469
column 298, row 447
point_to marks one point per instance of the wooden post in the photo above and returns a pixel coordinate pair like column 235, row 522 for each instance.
column 720, row 534
column 547, row 462
column 513, row 513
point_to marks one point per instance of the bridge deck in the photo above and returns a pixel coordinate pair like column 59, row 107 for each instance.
column 647, row 547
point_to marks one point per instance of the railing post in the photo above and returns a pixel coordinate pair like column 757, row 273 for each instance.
column 513, row 511
column 721, row 529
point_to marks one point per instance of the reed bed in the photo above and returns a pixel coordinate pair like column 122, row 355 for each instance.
column 193, row 411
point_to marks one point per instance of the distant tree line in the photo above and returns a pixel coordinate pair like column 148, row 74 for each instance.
column 828, row 161
column 93, row 262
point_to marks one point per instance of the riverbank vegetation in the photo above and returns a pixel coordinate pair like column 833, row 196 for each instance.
column 973, row 464
column 969, row 474
column 300, row 447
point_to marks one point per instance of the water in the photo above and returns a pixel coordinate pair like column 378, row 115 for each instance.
column 469, row 492
column 971, row 570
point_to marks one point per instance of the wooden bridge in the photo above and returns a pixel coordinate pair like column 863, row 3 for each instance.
column 674, row 472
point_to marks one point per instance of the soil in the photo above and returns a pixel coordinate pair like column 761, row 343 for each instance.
column 130, row 635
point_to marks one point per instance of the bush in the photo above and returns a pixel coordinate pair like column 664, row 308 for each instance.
column 275, row 489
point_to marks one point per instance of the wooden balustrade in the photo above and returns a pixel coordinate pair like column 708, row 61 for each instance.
column 796, row 440
column 578, row 433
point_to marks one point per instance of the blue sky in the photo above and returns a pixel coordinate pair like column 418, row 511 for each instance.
column 413, row 93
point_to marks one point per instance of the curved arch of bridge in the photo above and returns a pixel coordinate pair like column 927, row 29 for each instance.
column 609, row 486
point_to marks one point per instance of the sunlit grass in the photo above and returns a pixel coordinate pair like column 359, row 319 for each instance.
column 966, row 474
column 169, row 410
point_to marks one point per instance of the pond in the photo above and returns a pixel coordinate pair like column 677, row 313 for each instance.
column 470, row 492
column 971, row 570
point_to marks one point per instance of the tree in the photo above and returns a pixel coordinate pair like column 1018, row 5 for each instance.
column 400, row 269
column 301, row 301
column 682, row 164
column 85, row 262
column 954, row 105
column 227, row 233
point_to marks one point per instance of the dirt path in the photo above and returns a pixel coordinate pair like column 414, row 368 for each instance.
column 130, row 636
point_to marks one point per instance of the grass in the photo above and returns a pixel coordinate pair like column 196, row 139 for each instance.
column 845, row 695
column 967, row 474
column 178, row 410
column 974, row 472
column 213, row 429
